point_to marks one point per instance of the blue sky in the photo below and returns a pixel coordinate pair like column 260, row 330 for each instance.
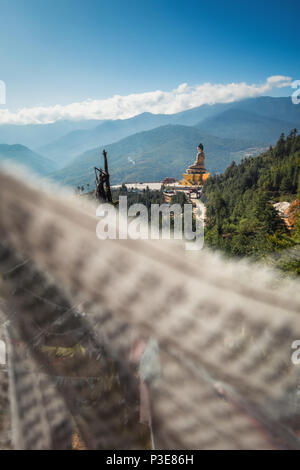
column 65, row 51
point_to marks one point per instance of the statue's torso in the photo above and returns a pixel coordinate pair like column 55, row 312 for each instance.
column 198, row 165
column 200, row 158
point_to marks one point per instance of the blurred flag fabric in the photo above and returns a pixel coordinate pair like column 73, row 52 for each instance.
column 137, row 344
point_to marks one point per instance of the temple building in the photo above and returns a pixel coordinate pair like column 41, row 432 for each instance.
column 196, row 174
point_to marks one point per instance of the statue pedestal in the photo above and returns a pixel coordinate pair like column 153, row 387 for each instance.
column 193, row 179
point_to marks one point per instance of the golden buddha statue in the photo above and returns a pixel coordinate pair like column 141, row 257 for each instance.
column 196, row 174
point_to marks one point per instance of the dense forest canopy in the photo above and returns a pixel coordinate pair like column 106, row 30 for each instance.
column 241, row 218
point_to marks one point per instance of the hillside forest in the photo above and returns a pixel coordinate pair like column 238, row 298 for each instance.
column 241, row 217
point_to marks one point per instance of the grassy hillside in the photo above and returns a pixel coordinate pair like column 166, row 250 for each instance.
column 241, row 219
column 19, row 154
column 153, row 155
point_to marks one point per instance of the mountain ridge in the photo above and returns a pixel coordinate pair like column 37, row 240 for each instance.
column 21, row 155
column 240, row 124
column 269, row 111
column 152, row 155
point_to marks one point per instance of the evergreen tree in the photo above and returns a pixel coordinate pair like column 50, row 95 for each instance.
column 241, row 218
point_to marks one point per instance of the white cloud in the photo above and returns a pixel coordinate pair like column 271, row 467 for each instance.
column 279, row 81
column 166, row 102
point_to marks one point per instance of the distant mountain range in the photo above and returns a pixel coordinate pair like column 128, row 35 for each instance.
column 72, row 144
column 227, row 131
column 153, row 155
column 260, row 119
column 37, row 135
column 241, row 124
column 21, row 155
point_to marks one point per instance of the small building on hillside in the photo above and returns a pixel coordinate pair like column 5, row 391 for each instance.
column 168, row 180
